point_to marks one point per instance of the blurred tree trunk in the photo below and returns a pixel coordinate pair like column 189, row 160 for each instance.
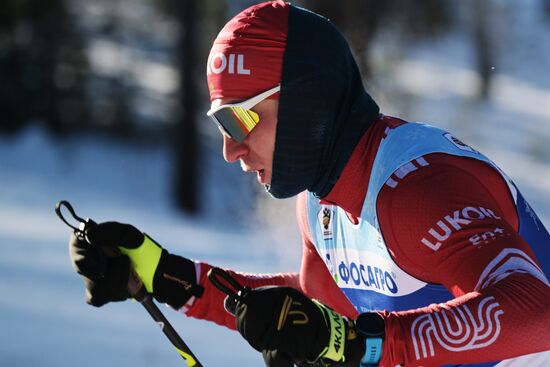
column 186, row 138
column 482, row 43
column 426, row 18
column 546, row 9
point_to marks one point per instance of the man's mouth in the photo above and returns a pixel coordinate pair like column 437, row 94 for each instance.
column 260, row 175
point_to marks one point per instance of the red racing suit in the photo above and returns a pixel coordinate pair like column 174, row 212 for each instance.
column 490, row 272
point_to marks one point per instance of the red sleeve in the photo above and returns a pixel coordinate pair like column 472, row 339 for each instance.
column 454, row 222
column 314, row 280
column 210, row 305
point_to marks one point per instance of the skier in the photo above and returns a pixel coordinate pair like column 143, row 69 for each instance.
column 417, row 249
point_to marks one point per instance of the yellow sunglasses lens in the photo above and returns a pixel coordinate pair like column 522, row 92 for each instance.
column 237, row 121
column 248, row 118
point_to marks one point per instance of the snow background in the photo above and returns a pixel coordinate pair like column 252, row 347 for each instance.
column 43, row 317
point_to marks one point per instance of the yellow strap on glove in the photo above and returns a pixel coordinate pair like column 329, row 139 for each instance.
column 144, row 260
column 335, row 322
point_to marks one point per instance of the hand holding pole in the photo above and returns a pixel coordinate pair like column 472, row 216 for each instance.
column 136, row 289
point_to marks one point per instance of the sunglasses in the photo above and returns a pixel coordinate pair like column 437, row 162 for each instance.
column 237, row 120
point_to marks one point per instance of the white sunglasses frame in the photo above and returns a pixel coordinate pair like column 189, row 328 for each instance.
column 249, row 103
column 246, row 105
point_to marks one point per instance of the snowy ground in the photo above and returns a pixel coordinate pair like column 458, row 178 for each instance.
column 43, row 317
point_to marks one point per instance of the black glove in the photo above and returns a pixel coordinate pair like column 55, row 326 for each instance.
column 111, row 250
column 105, row 278
column 289, row 328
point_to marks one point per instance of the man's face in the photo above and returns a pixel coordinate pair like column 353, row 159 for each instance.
column 256, row 151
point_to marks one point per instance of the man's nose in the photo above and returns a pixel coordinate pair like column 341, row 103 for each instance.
column 233, row 150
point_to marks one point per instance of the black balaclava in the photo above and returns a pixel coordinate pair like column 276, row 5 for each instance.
column 324, row 109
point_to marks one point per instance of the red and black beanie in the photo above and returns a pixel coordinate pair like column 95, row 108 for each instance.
column 324, row 109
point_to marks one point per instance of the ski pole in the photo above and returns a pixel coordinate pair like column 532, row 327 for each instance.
column 147, row 301
column 135, row 288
